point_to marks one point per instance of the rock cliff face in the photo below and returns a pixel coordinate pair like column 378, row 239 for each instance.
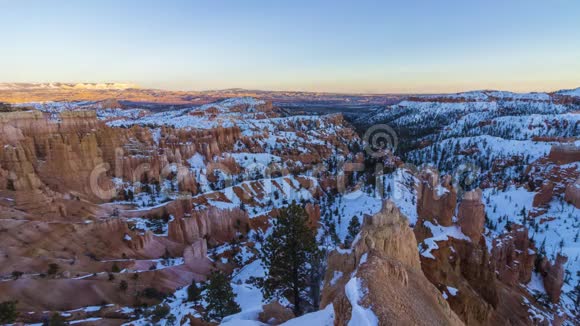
column 57, row 171
column 564, row 154
column 553, row 277
column 36, row 147
column 466, row 267
column 385, row 261
column 486, row 280
column 572, row 194
column 214, row 225
column 513, row 255
column 435, row 201
column 544, row 195
column 471, row 215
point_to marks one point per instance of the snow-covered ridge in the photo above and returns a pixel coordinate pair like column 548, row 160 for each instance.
column 486, row 95
column 570, row 92
column 226, row 113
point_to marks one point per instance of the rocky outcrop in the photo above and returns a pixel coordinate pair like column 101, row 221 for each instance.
column 275, row 314
column 513, row 256
column 195, row 252
column 465, row 266
column 313, row 212
column 436, row 202
column 471, row 215
column 572, row 194
column 564, row 153
column 553, row 276
column 36, row 148
column 60, row 155
column 214, row 224
column 468, row 267
column 544, row 195
column 385, row 261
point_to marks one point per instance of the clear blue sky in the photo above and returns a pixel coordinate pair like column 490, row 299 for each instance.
column 346, row 46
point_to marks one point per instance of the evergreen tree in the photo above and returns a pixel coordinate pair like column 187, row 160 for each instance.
column 130, row 195
column 56, row 320
column 353, row 229
column 8, row 312
column 193, row 292
column 220, row 297
column 52, row 269
column 123, row 286
column 287, row 255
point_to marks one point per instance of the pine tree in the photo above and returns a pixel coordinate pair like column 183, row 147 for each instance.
column 353, row 229
column 8, row 312
column 123, row 286
column 220, row 297
column 193, row 292
column 56, row 320
column 287, row 255
column 130, row 195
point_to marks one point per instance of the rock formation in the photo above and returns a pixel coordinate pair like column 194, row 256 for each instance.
column 275, row 314
column 213, row 224
column 386, row 262
column 572, row 194
column 544, row 196
column 565, row 153
column 486, row 284
column 553, row 277
column 436, row 202
column 514, row 255
column 471, row 215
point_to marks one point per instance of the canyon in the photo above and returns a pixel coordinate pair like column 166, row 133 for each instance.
column 113, row 201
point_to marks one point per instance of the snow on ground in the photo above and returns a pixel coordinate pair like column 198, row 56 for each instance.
column 254, row 165
column 403, row 193
column 489, row 147
column 107, row 114
column 179, row 308
column 360, row 316
column 484, row 95
column 398, row 187
column 520, row 127
column 158, row 227
column 324, row 317
column 503, row 206
column 453, row 291
column 536, row 284
column 440, row 233
column 270, row 196
column 147, row 195
column 559, row 235
column 203, row 117
column 353, row 204
column 335, row 277
column 536, row 314
column 247, row 160
column 562, row 236
column 197, row 161
column 248, row 296
column 88, row 320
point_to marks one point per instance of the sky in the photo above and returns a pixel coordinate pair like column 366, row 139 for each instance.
column 334, row 46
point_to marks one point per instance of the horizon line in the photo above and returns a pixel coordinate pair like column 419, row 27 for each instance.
column 241, row 89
